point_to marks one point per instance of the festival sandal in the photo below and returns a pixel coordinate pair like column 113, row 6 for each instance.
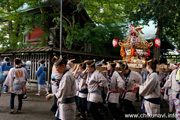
column 47, row 93
column 19, row 112
column 11, row 111
column 38, row 94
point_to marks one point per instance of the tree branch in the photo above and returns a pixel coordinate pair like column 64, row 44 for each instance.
column 73, row 20
column 68, row 21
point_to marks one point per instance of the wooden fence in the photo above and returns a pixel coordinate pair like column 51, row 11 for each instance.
column 34, row 61
column 46, row 53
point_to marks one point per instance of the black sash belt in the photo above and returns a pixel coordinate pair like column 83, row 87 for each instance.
column 156, row 101
column 85, row 91
column 69, row 100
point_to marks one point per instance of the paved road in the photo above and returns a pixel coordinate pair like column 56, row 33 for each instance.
column 34, row 108
column 38, row 108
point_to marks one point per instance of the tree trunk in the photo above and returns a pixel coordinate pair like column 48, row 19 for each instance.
column 17, row 30
column 159, row 33
column 156, row 50
column 10, row 30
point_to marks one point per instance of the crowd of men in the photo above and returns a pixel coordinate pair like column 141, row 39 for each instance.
column 85, row 87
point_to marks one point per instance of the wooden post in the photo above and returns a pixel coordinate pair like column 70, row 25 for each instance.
column 30, row 59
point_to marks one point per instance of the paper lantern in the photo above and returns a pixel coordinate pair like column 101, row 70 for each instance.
column 115, row 42
column 131, row 29
column 157, row 42
column 133, row 40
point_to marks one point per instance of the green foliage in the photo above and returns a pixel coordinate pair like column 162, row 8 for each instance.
column 96, row 35
column 104, row 28
column 110, row 21
column 15, row 24
column 10, row 39
column 109, row 11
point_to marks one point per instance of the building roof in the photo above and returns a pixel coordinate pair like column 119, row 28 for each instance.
column 26, row 7
column 45, row 4
column 50, row 50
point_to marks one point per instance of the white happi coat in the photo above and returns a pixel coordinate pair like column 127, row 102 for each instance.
column 67, row 89
column 82, row 85
column 115, row 82
column 76, row 76
column 94, row 80
column 162, row 77
column 57, row 75
column 167, row 90
column 173, row 85
column 133, row 77
column 16, row 75
column 151, row 89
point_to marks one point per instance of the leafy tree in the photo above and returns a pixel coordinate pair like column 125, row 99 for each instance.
column 11, row 35
column 109, row 20
column 165, row 13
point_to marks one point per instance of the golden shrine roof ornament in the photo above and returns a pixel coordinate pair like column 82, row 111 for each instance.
column 135, row 49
